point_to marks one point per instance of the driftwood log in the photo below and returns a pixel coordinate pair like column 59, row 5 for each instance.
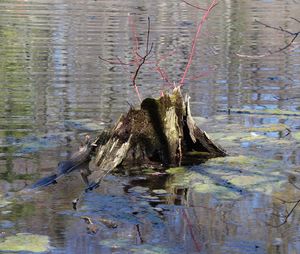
column 162, row 133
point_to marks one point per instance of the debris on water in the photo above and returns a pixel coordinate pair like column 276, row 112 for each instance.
column 108, row 223
column 91, row 227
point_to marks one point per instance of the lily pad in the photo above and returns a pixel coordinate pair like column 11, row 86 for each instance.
column 25, row 242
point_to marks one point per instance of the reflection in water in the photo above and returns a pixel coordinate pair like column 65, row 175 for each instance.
column 54, row 89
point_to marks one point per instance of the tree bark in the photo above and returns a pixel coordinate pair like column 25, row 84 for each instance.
column 162, row 133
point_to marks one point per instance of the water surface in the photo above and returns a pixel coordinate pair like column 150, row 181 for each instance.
column 54, row 89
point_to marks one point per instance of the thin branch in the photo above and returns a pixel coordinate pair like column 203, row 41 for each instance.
column 289, row 44
column 286, row 217
column 140, row 65
column 287, row 202
column 140, row 238
column 148, row 35
column 275, row 28
column 295, row 186
column 201, row 75
column 192, row 53
column 195, row 6
column 297, row 20
column 163, row 74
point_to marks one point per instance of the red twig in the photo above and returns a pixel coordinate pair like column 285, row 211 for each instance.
column 192, row 53
column 201, row 75
column 163, row 74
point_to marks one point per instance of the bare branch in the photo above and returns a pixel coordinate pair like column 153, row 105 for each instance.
column 163, row 74
column 195, row 6
column 197, row 34
column 273, row 27
column 294, row 34
column 140, row 65
column 148, row 35
column 286, row 216
column 295, row 186
column 297, row 20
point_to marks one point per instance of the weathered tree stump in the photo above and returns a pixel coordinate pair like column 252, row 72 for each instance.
column 162, row 133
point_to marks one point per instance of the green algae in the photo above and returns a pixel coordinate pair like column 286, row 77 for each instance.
column 176, row 170
column 219, row 191
column 230, row 177
column 25, row 242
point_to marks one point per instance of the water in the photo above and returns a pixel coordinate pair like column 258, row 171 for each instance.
column 54, row 89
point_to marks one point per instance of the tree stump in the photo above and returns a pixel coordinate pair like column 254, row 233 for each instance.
column 162, row 133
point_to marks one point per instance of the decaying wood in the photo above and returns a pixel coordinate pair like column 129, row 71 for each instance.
column 162, row 133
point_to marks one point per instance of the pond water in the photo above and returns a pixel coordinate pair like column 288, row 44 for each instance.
column 54, row 89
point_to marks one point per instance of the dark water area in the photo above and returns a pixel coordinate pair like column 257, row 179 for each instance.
column 54, row 90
